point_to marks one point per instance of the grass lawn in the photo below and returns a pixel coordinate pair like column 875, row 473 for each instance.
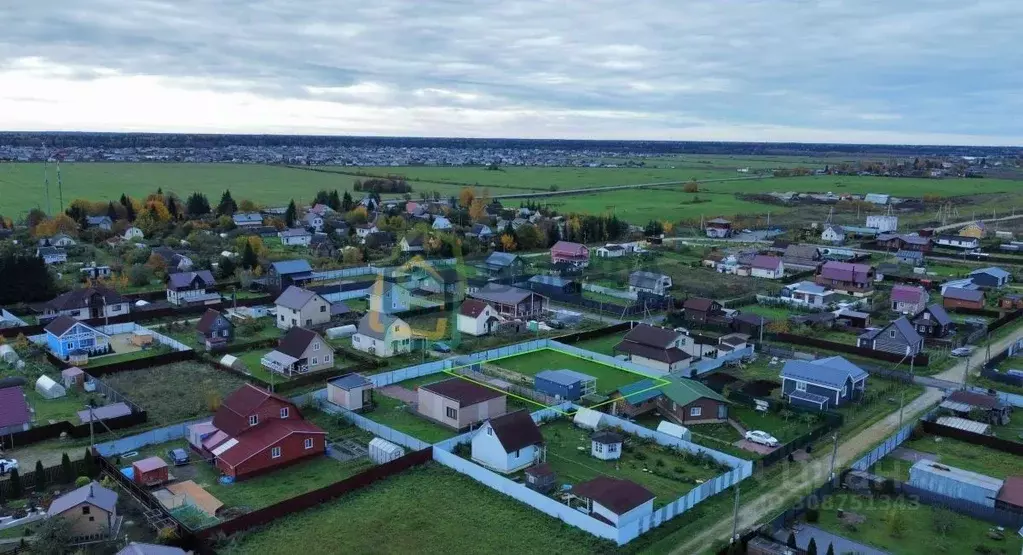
column 175, row 392
column 251, row 360
column 772, row 422
column 529, row 364
column 393, row 414
column 952, row 452
column 438, row 511
column 17, row 532
column 59, row 409
column 603, row 345
column 666, row 474
column 978, row 380
column 919, row 535
column 606, row 299
column 122, row 357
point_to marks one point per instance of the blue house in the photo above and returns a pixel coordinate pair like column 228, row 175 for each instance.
column 66, row 337
column 822, row 384
column 565, row 384
column 990, row 278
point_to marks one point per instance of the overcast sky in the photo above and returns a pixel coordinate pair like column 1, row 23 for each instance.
column 888, row 71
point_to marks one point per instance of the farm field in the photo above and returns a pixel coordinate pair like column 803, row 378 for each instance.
column 960, row 454
column 433, row 505
column 175, row 392
column 918, row 534
column 667, row 474
column 530, row 364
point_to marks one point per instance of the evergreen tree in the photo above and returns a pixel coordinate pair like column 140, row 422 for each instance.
column 14, row 484
column 25, row 278
column 227, row 206
column 322, row 197
column 172, row 208
column 159, row 191
column 67, row 472
column 226, row 266
column 90, row 468
column 197, row 205
column 111, row 212
column 831, row 549
column 554, row 235
column 792, row 540
column 249, row 258
column 129, row 208
column 40, row 476
column 811, row 548
column 346, row 202
column 334, row 201
column 291, row 214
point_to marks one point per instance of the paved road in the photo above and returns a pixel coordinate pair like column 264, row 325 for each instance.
column 619, row 188
column 816, row 471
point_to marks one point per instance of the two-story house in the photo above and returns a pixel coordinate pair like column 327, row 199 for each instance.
column 258, row 431
column 286, row 273
column 382, row 335
column 507, row 443
column 301, row 307
column 898, row 337
column 313, row 221
column 389, row 297
column 412, row 244
column 185, row 288
column 86, row 303
column 446, row 281
column 503, row 265
column 214, row 330
column 67, row 337
column 767, row 267
column 908, row 299
column 649, row 282
column 833, row 234
column 572, row 253
column 102, row 222
column 701, row 310
column 807, row 293
column 477, row 318
column 822, row 384
column 855, row 279
column 718, row 228
column 512, row 302
column 933, row 321
column 300, row 351
column 654, row 347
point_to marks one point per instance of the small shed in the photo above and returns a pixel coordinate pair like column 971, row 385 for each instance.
column 49, row 389
column 564, row 384
column 106, row 412
column 341, row 332
column 151, row 471
column 8, row 354
column 351, row 391
column 142, row 338
column 606, row 446
column 674, row 430
column 72, row 377
column 381, row 451
column 232, row 362
column 588, row 419
column 955, row 482
column 199, row 432
column 541, row 478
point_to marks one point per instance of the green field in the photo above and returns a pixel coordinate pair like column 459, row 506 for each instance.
column 430, row 510
column 529, row 364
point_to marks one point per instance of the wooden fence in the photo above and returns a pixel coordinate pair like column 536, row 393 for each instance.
column 80, row 431
column 52, row 475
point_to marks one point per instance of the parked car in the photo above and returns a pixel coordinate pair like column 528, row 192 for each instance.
column 761, row 437
column 441, row 347
column 7, row 465
column 178, row 456
column 556, row 324
column 962, row 351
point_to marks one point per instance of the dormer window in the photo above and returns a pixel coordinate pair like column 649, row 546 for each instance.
column 253, row 420
column 285, row 412
column 891, row 334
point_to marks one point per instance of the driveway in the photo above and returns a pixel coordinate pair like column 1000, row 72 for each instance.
column 824, row 538
column 760, row 448
column 398, row 392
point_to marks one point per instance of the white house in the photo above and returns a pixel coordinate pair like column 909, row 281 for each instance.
column 382, row 335
column 133, row 233
column 610, row 250
column 412, row 244
column 477, row 318
column 768, row 267
column 297, row 237
column 314, row 220
column 440, row 222
column 649, row 282
column 185, row 288
column 807, row 293
column 507, row 443
column 361, row 231
column 389, row 297
column 883, row 224
column 301, row 307
column 606, row 446
column 619, row 502
column 52, row 255
column 833, row 234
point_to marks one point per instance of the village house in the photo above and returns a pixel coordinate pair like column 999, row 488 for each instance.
column 749, row 324
column 186, row 288
column 258, row 432
column 68, row 338
column 610, row 250
column 690, row 402
column 247, row 219
column 61, row 240
column 507, row 443
column 51, row 255
column 977, row 230
column 382, row 335
column 654, row 347
column 807, row 293
column 173, row 260
column 458, row 403
column 301, row 307
column 554, row 286
column 297, row 237
column 86, row 303
column 477, row 318
column 909, row 242
column 102, row 222
column 649, row 282
column 573, row 253
column 96, row 272
column 512, row 302
column 389, row 297
column 606, row 446
column 300, row 351
column 899, row 337
column 440, row 222
column 933, row 322
column 957, row 242
column 911, row 258
column 364, row 230
column 285, row 273
column 15, row 415
column 313, row 221
column 635, row 399
column 702, row 311
column 321, row 246
column 800, row 258
column 481, row 232
column 503, row 265
column 214, row 330
column 718, row 228
column 133, row 233
column 833, row 234
column 411, row 244
column 614, row 501
column 822, row 384
column 379, row 240
column 990, row 278
column 767, row 267
column 445, row 281
column 852, row 278
column 90, row 512
column 956, row 297
column 884, row 223
column 993, row 410
column 908, row 299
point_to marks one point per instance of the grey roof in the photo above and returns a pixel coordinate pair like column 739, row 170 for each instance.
column 296, row 232
column 938, row 313
column 564, row 376
column 286, row 267
column 104, row 413
column 807, row 287
column 992, row 271
column 185, row 279
column 502, row 294
column 828, row 372
column 644, row 279
column 295, row 298
column 550, row 280
column 50, row 251
column 92, row 493
column 376, row 324
column 904, row 327
column 916, row 255
column 135, row 548
column 97, row 220
column 247, row 217
column 501, row 259
column 351, row 381
column 957, row 293
column 807, row 396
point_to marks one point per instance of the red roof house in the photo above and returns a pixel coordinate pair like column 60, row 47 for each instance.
column 573, row 253
column 846, row 276
column 259, row 431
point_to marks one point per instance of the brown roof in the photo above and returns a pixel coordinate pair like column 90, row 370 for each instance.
column 975, row 399
column 653, row 336
column 296, row 341
column 202, row 498
column 698, row 304
column 516, row 430
column 466, row 393
column 149, row 464
column 1012, row 491
column 472, row 308
column 205, row 324
column 60, row 325
column 542, row 469
column 661, row 354
column 620, row 496
column 233, row 415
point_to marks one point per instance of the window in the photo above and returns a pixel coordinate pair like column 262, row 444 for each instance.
column 315, row 361
column 316, row 346
column 451, row 412
column 326, row 358
column 490, row 431
column 308, row 321
column 517, row 451
column 86, row 509
column 599, row 447
column 309, row 443
column 843, row 392
column 323, row 308
column 695, row 411
column 92, row 519
column 613, row 448
column 253, row 420
column 275, row 453
column 800, row 386
column 282, row 317
column 891, row 334
column 397, row 327
column 285, row 411
column 224, row 333
column 294, row 322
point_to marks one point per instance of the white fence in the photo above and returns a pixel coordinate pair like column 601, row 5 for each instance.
column 507, row 351
column 152, row 437
column 670, row 441
column 128, row 327
column 379, row 430
column 608, row 360
column 711, row 364
column 402, row 374
column 327, row 275
column 617, row 293
column 346, row 295
column 1008, row 398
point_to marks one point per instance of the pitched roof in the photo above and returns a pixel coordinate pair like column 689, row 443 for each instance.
column 564, row 376
column 296, row 232
column 502, row 294
column 296, row 341
column 472, row 308
column 902, row 325
column 287, row 267
column 77, row 298
column 376, row 324
column 209, row 317
column 569, row 248
column 976, row 399
column 462, row 391
column 516, row 430
column 149, row 464
column 501, row 259
column 916, row 255
column 620, row 496
column 645, row 280
column 972, row 295
column 908, row 294
column 830, row 372
column 185, row 279
column 350, row 381
column 13, row 408
column 845, row 271
column 553, row 281
column 684, row 391
column 295, row 298
column 807, row 287
column 639, row 392
column 669, row 356
column 135, row 548
column 258, row 439
column 92, row 493
column 993, row 272
column 751, row 319
column 1012, row 491
column 937, row 313
column 653, row 336
column 607, row 438
column 698, row 304
column 765, row 262
column 232, row 416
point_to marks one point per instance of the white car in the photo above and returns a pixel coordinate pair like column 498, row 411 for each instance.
column 962, row 351
column 7, row 465
column 763, row 438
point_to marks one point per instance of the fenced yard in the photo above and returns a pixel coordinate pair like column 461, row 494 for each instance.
column 784, row 425
column 952, row 452
column 529, row 364
column 400, row 416
column 175, row 392
column 603, row 345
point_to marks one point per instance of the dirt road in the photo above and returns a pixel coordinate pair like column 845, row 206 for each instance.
column 815, row 472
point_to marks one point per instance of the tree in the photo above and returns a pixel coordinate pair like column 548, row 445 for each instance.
column 791, row 542
column 334, row 201
column 346, row 202
column 785, row 414
column 172, row 208
column 478, row 210
column 61, row 223
column 111, row 212
column 129, row 208
column 249, row 258
column 51, row 537
column 653, row 228
column 465, row 197
column 811, row 548
column 291, row 214
column 40, row 476
column 139, row 275
column 691, row 187
column 14, row 488
column 25, row 278
column 508, row 243
column 227, row 206
column 197, row 205
column 67, row 472
column 225, row 267
column 529, row 237
column 322, row 197
column 831, row 549
column 33, row 218
column 90, row 463
column 351, row 255
column 247, row 205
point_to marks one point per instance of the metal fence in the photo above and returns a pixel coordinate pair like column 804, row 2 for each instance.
column 145, row 439
column 994, row 515
column 379, row 430
column 617, row 293
column 9, row 317
column 607, row 360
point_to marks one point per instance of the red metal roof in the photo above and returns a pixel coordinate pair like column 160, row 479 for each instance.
column 233, row 415
column 569, row 248
column 1012, row 491
column 148, row 465
column 620, row 496
column 13, row 408
column 472, row 308
column 263, row 437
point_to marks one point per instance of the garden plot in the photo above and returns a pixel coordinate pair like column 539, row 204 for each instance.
column 175, row 392
column 608, row 378
column 952, row 452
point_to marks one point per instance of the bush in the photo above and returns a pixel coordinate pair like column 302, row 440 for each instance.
column 640, row 456
column 82, row 481
column 659, row 462
column 813, row 515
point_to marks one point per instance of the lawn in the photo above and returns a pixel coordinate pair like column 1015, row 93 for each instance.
column 529, row 364
column 175, row 392
column 774, row 313
column 603, row 345
column 774, row 423
column 251, row 360
column 918, row 533
column 667, row 474
column 424, row 510
column 393, row 414
column 106, row 360
column 58, row 410
column 960, row 454
column 616, row 302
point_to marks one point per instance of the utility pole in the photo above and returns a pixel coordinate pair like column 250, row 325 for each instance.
column 834, row 454
column 92, row 421
column 735, row 515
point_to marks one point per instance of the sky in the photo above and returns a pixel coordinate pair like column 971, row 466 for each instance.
column 843, row 71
